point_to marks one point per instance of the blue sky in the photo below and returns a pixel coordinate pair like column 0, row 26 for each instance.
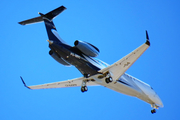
column 116, row 27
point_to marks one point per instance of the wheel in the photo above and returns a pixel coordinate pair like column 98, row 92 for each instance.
column 153, row 111
column 107, row 80
column 110, row 79
column 82, row 89
column 85, row 88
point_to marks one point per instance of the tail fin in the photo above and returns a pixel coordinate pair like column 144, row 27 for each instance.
column 49, row 16
column 50, row 27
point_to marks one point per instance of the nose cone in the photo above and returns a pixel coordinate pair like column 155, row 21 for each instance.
column 156, row 99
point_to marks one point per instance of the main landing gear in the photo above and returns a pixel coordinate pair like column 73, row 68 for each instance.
column 84, row 88
column 107, row 76
column 108, row 80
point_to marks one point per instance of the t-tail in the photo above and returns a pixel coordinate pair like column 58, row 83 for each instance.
column 48, row 20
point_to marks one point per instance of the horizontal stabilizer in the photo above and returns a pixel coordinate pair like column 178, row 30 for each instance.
column 50, row 15
column 54, row 13
column 33, row 20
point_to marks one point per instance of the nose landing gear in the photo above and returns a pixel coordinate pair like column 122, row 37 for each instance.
column 153, row 111
column 155, row 107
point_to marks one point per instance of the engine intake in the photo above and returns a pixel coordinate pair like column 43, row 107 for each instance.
column 87, row 48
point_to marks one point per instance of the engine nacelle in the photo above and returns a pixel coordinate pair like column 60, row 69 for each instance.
column 87, row 48
column 58, row 58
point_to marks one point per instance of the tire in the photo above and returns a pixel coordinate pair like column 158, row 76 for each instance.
column 82, row 89
column 107, row 80
column 110, row 79
column 153, row 111
column 85, row 88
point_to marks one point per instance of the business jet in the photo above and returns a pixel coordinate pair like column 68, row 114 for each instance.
column 95, row 72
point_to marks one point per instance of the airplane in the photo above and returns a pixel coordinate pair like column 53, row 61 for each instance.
column 95, row 72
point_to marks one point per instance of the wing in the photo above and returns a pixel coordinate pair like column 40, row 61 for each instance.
column 62, row 84
column 117, row 69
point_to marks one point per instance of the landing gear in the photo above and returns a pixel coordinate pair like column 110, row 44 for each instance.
column 155, row 107
column 153, row 111
column 108, row 80
column 107, row 77
column 84, row 88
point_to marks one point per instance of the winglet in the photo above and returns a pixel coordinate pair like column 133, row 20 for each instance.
column 147, row 38
column 24, row 83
